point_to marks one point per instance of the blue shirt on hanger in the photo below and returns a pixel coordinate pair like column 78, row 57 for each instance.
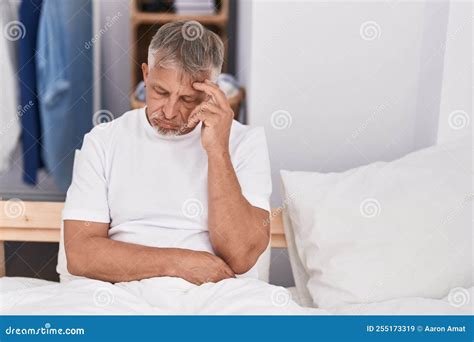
column 65, row 83
column 29, row 14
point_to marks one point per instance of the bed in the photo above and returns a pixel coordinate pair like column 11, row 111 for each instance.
column 40, row 221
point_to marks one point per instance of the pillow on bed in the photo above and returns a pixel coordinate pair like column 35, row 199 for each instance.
column 383, row 231
column 300, row 274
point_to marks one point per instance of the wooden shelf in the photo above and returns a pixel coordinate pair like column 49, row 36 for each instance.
column 41, row 222
column 143, row 26
column 163, row 18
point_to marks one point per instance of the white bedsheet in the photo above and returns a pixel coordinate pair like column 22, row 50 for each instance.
column 171, row 296
column 154, row 296
column 459, row 302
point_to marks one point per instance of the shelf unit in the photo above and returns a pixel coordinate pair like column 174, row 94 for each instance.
column 144, row 25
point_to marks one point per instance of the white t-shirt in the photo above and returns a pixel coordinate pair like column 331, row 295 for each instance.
column 153, row 188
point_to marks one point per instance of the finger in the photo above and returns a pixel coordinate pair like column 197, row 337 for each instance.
column 225, row 275
column 229, row 270
column 212, row 84
column 193, row 120
column 204, row 108
column 208, row 81
column 212, row 108
column 215, row 92
column 207, row 107
column 209, row 119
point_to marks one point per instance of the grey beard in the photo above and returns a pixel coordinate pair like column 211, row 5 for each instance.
column 170, row 132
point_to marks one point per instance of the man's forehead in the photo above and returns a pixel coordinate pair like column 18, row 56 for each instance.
column 171, row 79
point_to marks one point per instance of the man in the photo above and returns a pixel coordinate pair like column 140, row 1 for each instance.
column 175, row 189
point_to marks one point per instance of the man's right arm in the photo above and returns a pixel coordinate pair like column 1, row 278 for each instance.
column 91, row 253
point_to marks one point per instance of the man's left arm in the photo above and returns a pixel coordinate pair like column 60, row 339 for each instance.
column 239, row 232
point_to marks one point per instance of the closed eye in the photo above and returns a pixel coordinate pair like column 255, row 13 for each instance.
column 188, row 99
column 160, row 91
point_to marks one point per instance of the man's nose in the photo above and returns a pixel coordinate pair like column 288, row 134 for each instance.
column 170, row 109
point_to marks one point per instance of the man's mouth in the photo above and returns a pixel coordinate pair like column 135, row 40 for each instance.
column 163, row 124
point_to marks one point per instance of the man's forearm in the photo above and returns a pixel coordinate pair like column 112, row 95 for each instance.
column 115, row 261
column 237, row 230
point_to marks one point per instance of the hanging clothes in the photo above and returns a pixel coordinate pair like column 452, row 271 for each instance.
column 9, row 123
column 65, row 83
column 29, row 14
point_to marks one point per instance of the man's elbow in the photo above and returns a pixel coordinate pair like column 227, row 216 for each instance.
column 73, row 269
column 74, row 262
column 242, row 266
column 248, row 257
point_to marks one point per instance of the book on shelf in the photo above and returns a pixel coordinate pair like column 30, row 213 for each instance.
column 200, row 7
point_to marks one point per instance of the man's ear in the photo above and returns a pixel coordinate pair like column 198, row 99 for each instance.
column 145, row 72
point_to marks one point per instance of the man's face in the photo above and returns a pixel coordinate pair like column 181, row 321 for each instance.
column 170, row 99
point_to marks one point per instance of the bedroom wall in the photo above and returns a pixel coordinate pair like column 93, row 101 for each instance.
column 345, row 96
column 340, row 84
column 115, row 56
column 457, row 92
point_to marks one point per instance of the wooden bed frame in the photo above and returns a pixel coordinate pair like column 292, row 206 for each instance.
column 41, row 222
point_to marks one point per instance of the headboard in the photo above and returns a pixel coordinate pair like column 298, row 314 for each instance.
column 41, row 222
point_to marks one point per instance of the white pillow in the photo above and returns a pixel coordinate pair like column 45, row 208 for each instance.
column 300, row 274
column 386, row 230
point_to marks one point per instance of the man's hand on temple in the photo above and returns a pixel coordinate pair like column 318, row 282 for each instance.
column 216, row 116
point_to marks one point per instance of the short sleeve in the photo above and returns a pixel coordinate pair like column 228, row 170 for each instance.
column 252, row 167
column 86, row 198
